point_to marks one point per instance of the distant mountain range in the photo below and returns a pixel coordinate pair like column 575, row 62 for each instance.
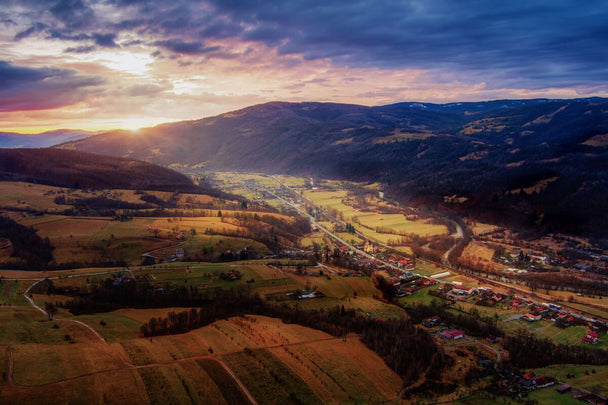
column 542, row 162
column 41, row 140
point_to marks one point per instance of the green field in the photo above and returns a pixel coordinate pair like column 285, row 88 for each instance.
column 592, row 378
column 384, row 228
column 89, row 239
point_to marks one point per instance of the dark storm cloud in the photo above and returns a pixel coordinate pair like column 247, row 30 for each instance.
column 179, row 46
column 80, row 49
column 37, row 27
column 105, row 40
column 73, row 13
column 527, row 40
column 23, row 88
column 529, row 43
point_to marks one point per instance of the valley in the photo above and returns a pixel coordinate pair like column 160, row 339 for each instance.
column 296, row 275
column 297, row 202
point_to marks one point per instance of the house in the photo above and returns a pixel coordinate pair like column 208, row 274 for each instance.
column 461, row 289
column 543, row 382
column 590, row 338
column 452, row 334
column 531, row 317
column 431, row 322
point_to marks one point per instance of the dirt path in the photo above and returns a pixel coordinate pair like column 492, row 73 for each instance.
column 26, row 295
column 238, row 382
column 42, row 311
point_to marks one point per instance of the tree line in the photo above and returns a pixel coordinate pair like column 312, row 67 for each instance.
column 528, row 351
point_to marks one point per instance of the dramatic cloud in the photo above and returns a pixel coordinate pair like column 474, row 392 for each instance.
column 179, row 46
column 24, row 88
column 559, row 42
column 363, row 51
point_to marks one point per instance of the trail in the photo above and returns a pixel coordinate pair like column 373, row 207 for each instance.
column 26, row 295
column 238, row 382
column 36, row 307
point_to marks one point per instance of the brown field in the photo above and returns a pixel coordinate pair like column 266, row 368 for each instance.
column 265, row 272
column 481, row 228
column 28, row 195
column 183, row 368
column 339, row 287
column 479, row 254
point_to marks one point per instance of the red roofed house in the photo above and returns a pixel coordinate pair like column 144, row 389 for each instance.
column 461, row 289
column 591, row 338
column 542, row 381
column 452, row 334
column 531, row 317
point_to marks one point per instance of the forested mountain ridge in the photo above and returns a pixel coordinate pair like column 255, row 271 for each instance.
column 538, row 161
column 82, row 169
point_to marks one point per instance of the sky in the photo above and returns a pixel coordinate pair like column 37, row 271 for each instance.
column 105, row 64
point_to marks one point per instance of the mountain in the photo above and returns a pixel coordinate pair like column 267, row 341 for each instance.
column 41, row 140
column 541, row 162
column 68, row 168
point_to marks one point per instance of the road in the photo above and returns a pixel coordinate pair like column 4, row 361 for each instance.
column 328, row 232
column 459, row 235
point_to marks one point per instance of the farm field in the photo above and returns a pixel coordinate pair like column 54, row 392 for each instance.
column 189, row 366
column 77, row 358
column 91, row 239
column 28, row 195
column 384, row 228
column 398, row 224
column 42, row 197
column 586, row 377
column 479, row 228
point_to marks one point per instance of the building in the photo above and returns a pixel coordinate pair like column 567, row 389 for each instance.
column 452, row 334
column 590, row 338
column 531, row 317
column 542, row 381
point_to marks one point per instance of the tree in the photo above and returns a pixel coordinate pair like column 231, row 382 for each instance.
column 51, row 309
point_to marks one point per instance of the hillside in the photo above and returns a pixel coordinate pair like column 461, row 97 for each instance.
column 80, row 169
column 538, row 162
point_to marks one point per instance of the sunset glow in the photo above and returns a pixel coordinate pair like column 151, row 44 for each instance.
column 105, row 64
